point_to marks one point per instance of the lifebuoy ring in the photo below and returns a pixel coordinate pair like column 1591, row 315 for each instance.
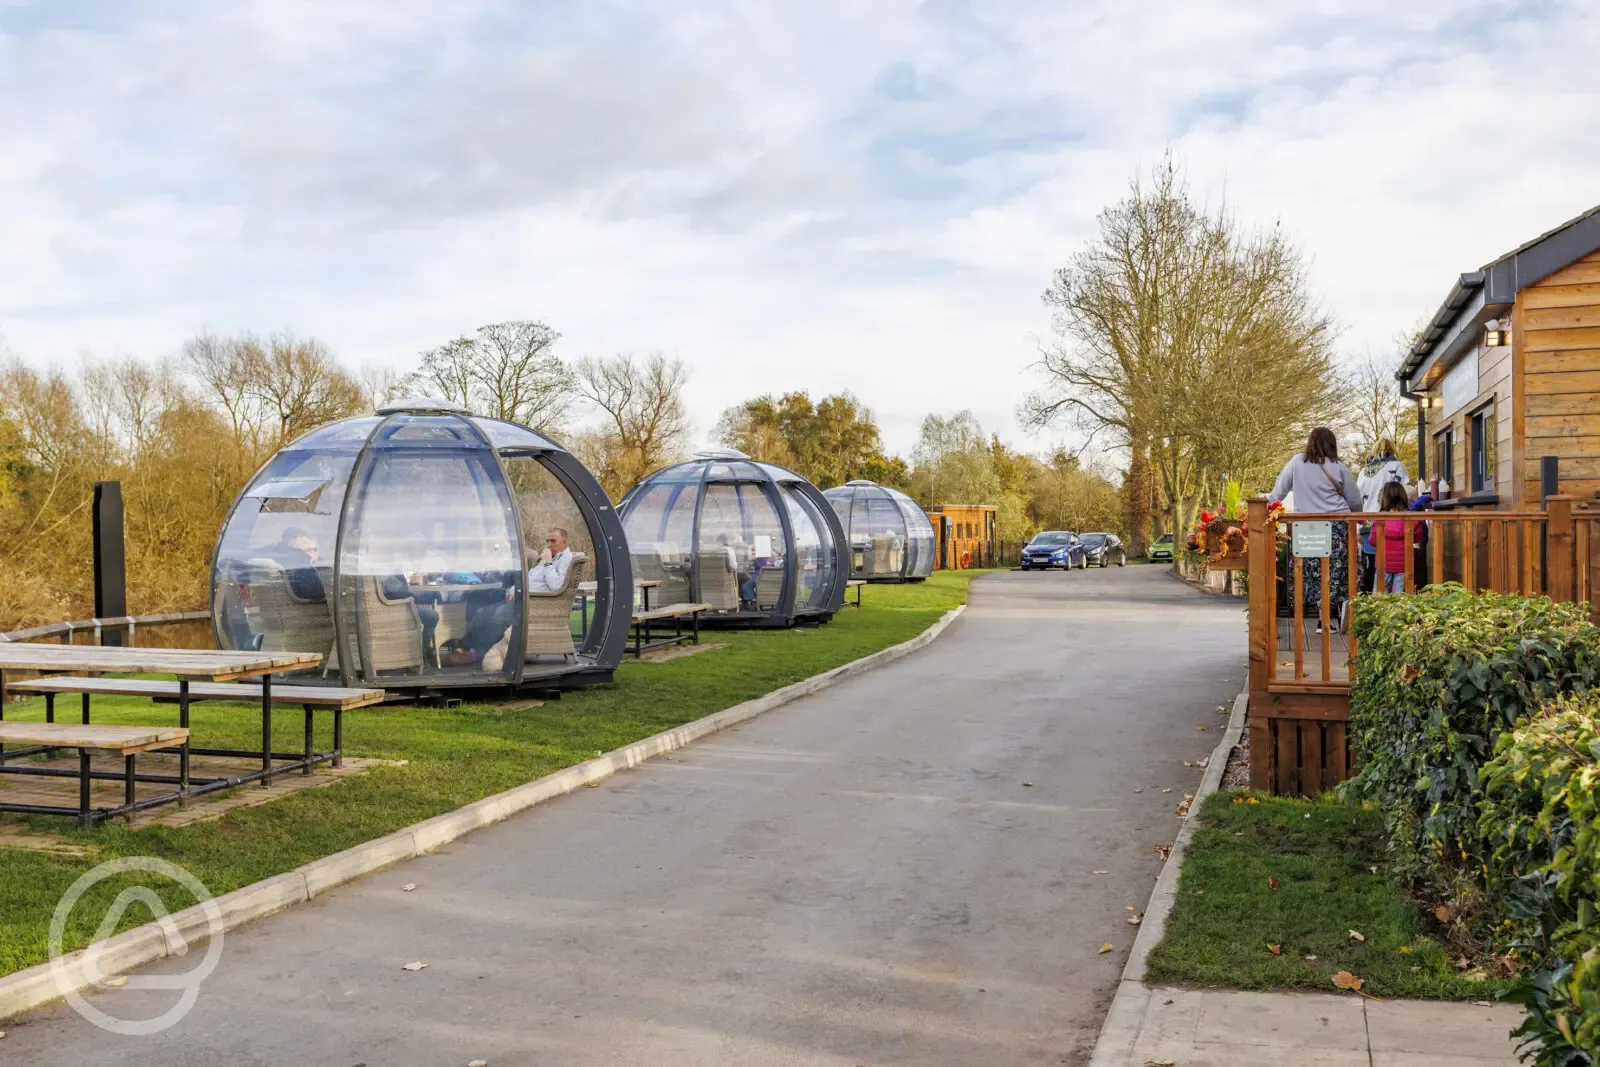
column 966, row 560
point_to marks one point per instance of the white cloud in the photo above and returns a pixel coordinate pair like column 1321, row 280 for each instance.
column 821, row 196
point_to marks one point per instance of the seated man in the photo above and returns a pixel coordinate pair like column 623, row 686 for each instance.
column 396, row 587
column 491, row 620
column 550, row 573
column 297, row 552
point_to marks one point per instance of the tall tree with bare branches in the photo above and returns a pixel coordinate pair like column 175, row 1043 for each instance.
column 506, row 370
column 646, row 424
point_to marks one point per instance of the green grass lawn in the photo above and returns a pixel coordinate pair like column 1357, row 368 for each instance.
column 454, row 756
column 1329, row 862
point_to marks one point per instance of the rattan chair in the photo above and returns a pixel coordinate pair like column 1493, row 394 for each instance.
column 719, row 578
column 549, row 619
column 884, row 559
column 388, row 631
column 769, row 587
column 288, row 623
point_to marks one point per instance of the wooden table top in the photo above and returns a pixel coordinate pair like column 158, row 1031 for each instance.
column 316, row 695
column 647, row 583
column 212, row 665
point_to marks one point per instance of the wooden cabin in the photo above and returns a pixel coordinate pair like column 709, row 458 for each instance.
column 964, row 532
column 1508, row 371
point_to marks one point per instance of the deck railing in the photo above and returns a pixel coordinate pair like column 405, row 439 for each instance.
column 1302, row 656
column 66, row 632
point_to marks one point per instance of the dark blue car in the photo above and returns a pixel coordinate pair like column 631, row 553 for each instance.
column 1054, row 548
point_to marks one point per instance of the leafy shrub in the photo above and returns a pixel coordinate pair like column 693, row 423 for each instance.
column 1439, row 676
column 1540, row 816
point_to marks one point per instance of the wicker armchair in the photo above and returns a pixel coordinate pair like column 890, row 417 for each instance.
column 769, row 586
column 288, row 623
column 719, row 578
column 651, row 564
column 549, row 621
column 388, row 631
column 884, row 559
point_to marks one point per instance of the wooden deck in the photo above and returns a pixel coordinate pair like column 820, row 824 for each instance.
column 1310, row 646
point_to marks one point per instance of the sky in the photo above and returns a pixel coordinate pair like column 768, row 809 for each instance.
column 843, row 194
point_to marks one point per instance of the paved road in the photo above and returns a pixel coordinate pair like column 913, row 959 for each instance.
column 860, row 877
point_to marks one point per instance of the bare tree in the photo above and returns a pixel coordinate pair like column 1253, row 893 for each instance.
column 1374, row 408
column 646, row 423
column 506, row 370
column 275, row 390
column 382, row 384
column 1189, row 342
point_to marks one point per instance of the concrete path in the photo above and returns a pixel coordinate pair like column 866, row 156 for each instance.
column 918, row 866
column 1201, row 1028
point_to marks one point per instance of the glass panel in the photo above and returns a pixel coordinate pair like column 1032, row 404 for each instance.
column 813, row 552
column 740, row 550
column 878, row 518
column 919, row 537
column 659, row 522
column 430, row 594
column 275, row 557
column 347, row 434
column 779, row 474
column 560, row 550
column 683, row 472
column 502, row 434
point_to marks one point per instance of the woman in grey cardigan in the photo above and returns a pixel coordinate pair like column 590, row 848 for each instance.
column 1321, row 484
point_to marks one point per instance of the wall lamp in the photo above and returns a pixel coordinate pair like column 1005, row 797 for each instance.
column 1494, row 336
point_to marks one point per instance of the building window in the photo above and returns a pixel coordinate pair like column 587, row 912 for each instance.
column 1481, row 430
column 1444, row 454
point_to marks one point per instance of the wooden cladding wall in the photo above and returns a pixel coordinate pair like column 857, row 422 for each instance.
column 1557, row 333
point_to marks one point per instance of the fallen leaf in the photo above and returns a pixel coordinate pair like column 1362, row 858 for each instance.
column 1102, row 872
column 1200, row 727
column 1357, row 935
column 1136, row 918
column 1182, row 807
column 1238, row 800
column 1198, row 892
column 416, row 965
column 1445, row 913
column 1311, row 958
column 1478, row 975
column 1129, row 907
column 1028, row 785
column 1160, row 1063
column 1414, row 970
column 1405, row 950
column 1272, row 884
column 408, row 887
column 1276, row 950
column 115, row 983
column 1188, row 763
column 1166, row 790
column 1253, row 800
column 1477, row 1003
column 1139, row 790
column 1163, row 851
column 1374, row 870
column 1346, row 980
column 1203, row 763
column 478, row 1063
column 1463, row 963
column 1105, row 948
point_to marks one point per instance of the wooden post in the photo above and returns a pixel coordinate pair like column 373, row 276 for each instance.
column 1560, row 546
column 1263, row 564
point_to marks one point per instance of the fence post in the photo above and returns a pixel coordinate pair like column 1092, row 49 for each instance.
column 1262, row 561
column 110, row 571
column 1559, row 538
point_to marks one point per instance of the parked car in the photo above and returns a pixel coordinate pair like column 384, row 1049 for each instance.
column 1054, row 548
column 1103, row 549
column 1161, row 548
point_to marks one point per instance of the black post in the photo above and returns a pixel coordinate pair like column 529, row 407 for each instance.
column 110, row 561
column 1549, row 486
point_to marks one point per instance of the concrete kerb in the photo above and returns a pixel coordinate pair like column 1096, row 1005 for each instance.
column 1127, row 1012
column 37, row 986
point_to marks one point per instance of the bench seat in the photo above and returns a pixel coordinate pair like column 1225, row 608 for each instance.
column 168, row 691
column 644, row 639
column 670, row 611
column 119, row 740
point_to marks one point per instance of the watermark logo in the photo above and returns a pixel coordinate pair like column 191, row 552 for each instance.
column 72, row 975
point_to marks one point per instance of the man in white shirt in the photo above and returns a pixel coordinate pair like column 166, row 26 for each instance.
column 550, row 573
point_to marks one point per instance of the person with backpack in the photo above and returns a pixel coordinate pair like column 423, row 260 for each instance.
column 1383, row 468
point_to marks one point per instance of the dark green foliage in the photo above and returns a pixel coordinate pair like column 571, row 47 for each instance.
column 1540, row 819
column 1439, row 677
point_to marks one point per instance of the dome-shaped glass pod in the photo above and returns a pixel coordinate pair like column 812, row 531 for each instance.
column 756, row 542
column 423, row 547
column 891, row 539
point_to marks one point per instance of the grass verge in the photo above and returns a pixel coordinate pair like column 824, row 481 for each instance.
column 454, row 756
column 1329, row 864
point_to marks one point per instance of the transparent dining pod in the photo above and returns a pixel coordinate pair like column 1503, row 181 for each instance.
column 756, row 543
column 426, row 548
column 891, row 539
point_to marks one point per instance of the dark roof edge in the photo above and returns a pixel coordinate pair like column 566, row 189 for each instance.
column 1502, row 279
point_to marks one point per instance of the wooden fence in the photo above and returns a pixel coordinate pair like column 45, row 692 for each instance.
column 1301, row 665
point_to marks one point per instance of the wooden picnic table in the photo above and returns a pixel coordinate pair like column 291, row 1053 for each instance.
column 188, row 664
column 124, row 741
column 642, row 621
column 588, row 589
column 856, row 584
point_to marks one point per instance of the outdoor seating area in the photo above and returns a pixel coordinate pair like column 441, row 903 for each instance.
column 649, row 625
column 758, row 545
column 891, row 539
column 201, row 675
column 325, row 550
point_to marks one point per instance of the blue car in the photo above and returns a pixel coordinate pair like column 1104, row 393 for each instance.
column 1054, row 548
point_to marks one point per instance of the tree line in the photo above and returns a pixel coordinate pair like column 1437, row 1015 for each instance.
column 184, row 434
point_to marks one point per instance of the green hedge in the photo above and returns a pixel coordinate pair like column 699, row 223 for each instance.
column 1439, row 676
column 1540, row 818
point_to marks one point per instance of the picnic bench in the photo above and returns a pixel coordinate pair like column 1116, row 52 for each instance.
column 643, row 622
column 856, row 584
column 124, row 741
column 201, row 675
